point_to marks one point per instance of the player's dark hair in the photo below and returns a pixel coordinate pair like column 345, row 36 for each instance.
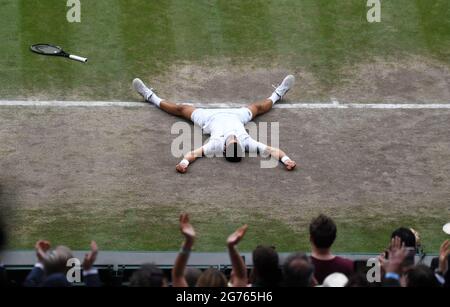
column 322, row 231
column 406, row 236
column 233, row 152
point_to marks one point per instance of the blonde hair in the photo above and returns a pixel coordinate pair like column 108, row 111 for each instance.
column 212, row 278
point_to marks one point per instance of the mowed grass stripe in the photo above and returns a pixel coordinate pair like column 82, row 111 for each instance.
column 99, row 37
column 329, row 45
column 434, row 25
column 292, row 31
column 247, row 29
column 400, row 31
column 45, row 22
column 148, row 38
column 213, row 23
column 190, row 33
column 10, row 55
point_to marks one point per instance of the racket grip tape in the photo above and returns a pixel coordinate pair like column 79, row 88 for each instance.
column 77, row 58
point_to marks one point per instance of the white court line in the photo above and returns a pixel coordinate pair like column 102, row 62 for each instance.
column 334, row 105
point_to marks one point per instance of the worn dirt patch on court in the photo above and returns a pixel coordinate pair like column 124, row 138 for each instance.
column 220, row 81
column 411, row 79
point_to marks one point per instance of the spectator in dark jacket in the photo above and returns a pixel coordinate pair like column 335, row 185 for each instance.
column 52, row 267
column 322, row 231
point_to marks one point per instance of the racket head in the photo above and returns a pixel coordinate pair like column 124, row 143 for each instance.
column 47, row 49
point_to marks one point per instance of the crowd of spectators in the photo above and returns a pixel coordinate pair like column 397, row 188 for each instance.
column 396, row 266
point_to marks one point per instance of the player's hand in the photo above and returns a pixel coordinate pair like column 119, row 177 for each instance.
column 237, row 236
column 42, row 248
column 181, row 168
column 290, row 165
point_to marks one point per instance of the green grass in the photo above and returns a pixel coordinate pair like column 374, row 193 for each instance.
column 135, row 37
column 155, row 227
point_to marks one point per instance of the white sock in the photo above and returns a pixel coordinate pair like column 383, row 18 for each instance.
column 275, row 98
column 155, row 100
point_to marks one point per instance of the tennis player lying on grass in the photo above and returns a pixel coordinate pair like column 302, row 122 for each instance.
column 226, row 126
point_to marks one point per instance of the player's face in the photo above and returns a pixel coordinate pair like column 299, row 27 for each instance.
column 232, row 139
column 232, row 143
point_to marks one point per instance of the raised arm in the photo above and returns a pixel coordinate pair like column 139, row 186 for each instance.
column 90, row 273
column 178, row 278
column 239, row 268
column 37, row 275
column 189, row 158
column 282, row 157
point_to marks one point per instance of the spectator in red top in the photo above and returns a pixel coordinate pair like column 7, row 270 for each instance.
column 322, row 231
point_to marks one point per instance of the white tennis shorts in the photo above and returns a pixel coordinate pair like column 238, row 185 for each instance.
column 202, row 117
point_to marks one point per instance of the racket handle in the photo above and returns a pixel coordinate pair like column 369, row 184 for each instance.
column 77, row 58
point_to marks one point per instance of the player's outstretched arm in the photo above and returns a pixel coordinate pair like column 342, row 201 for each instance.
column 281, row 156
column 189, row 158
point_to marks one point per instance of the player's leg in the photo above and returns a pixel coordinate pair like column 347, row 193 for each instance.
column 181, row 110
column 262, row 107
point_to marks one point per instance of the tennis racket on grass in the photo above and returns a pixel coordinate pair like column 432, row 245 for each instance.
column 46, row 49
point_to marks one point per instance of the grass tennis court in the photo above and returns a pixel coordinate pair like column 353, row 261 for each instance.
column 215, row 51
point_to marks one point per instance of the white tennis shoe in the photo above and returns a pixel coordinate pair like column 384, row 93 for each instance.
column 142, row 89
column 285, row 86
